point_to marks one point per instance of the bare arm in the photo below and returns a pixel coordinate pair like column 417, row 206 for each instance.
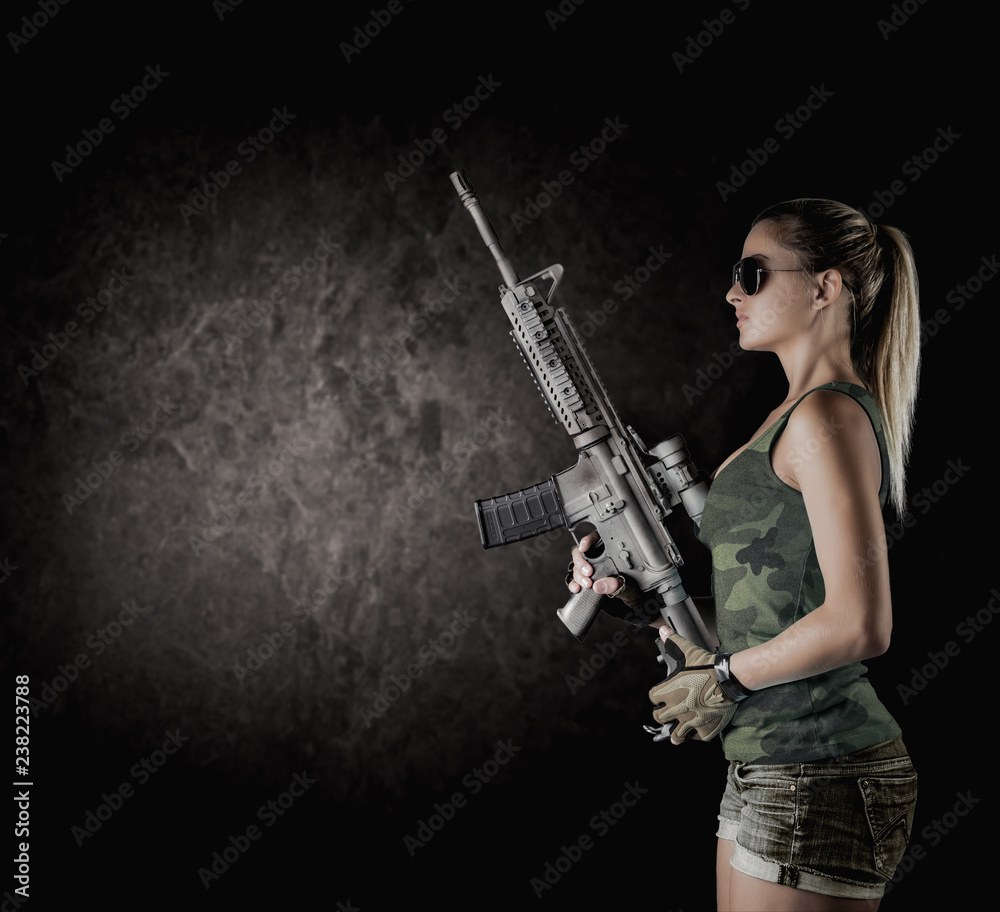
column 828, row 451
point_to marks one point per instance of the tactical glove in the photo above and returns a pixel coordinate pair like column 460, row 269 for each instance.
column 699, row 697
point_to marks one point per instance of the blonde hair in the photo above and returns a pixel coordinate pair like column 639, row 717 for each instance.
column 876, row 264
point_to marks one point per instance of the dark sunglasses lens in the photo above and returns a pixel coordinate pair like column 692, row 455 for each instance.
column 748, row 275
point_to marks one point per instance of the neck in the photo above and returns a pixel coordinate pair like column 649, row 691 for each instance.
column 806, row 369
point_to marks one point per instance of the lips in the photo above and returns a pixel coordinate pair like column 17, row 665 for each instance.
column 740, row 318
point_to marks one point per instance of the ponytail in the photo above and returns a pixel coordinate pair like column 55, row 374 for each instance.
column 888, row 355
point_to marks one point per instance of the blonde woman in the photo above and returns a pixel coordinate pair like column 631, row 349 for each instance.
column 820, row 796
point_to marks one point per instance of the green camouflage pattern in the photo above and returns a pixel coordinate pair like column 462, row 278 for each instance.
column 765, row 576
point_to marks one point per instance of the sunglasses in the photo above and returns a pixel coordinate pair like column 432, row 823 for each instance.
column 747, row 272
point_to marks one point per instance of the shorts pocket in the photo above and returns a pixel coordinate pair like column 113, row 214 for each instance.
column 889, row 805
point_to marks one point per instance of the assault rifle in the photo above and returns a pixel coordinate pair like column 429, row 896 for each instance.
column 618, row 486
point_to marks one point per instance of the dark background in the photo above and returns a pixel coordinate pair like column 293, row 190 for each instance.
column 397, row 407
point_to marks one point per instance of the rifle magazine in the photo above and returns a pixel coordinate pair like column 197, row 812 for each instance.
column 520, row 515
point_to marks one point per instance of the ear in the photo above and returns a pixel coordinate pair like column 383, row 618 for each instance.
column 828, row 288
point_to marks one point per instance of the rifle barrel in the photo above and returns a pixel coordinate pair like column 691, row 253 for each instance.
column 467, row 193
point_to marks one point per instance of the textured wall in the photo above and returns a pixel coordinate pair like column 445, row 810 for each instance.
column 257, row 373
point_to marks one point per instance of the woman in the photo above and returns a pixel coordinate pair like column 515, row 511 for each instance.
column 820, row 794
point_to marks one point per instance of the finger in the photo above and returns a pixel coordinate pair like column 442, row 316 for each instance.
column 580, row 579
column 681, row 733
column 582, row 571
column 589, row 539
column 660, row 626
column 609, row 585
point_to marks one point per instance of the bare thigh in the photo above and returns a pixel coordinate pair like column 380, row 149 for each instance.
column 738, row 892
column 722, row 873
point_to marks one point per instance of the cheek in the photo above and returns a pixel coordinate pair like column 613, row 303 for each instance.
column 770, row 315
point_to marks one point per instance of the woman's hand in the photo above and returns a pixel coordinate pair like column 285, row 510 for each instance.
column 693, row 696
column 581, row 573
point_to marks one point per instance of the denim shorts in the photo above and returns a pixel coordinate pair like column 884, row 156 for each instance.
column 838, row 826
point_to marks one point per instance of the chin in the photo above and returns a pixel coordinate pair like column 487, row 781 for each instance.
column 750, row 341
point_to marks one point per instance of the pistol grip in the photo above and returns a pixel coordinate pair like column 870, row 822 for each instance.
column 579, row 612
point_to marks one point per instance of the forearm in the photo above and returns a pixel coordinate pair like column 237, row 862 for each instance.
column 822, row 640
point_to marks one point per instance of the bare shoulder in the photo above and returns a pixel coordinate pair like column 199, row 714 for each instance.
column 829, row 436
column 831, row 412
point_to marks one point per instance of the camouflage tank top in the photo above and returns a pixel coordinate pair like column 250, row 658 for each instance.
column 765, row 576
